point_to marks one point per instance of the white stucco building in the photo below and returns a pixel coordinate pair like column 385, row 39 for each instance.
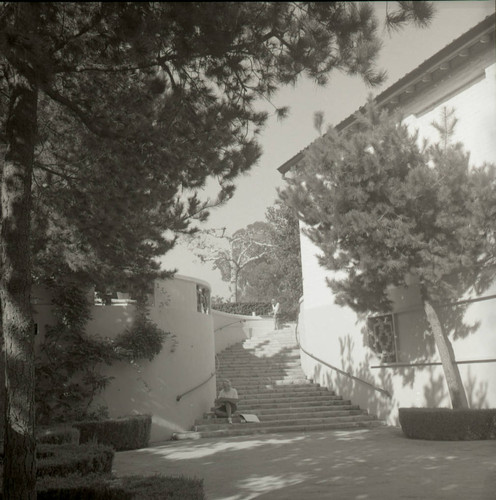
column 335, row 345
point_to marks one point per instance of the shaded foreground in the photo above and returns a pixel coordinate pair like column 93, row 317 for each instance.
column 359, row 464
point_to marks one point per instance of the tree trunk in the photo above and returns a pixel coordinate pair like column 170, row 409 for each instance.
column 451, row 372
column 233, row 285
column 19, row 475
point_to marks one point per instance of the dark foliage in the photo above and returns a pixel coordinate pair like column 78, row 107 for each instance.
column 104, row 487
column 126, row 433
column 65, row 459
column 57, row 435
column 68, row 368
column 245, row 308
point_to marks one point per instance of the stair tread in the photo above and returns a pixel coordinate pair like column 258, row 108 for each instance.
column 246, row 430
column 266, row 371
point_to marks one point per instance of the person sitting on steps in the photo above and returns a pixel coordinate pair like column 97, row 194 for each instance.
column 226, row 402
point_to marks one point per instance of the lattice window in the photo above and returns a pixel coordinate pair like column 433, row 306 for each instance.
column 382, row 337
column 202, row 299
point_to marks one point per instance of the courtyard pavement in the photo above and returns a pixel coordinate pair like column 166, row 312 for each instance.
column 375, row 464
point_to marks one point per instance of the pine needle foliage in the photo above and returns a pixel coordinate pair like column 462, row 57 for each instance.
column 382, row 209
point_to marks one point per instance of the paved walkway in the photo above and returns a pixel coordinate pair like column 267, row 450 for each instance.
column 377, row 464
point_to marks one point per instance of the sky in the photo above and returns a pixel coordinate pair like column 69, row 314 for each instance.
column 280, row 140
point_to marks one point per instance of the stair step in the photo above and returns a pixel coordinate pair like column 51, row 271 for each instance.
column 264, row 385
column 266, row 412
column 211, row 419
column 283, row 396
column 285, row 423
column 247, row 358
column 252, row 369
column 290, row 379
column 246, row 429
column 295, row 397
column 266, row 371
column 278, row 389
column 247, row 408
column 262, row 365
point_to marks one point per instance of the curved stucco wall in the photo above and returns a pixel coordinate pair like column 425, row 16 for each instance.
column 186, row 360
column 230, row 329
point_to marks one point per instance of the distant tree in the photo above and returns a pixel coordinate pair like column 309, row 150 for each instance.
column 278, row 275
column 143, row 96
column 232, row 254
column 382, row 209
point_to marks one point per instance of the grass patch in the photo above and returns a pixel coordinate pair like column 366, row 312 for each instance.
column 444, row 424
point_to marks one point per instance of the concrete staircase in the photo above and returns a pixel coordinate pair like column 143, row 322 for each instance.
column 267, row 373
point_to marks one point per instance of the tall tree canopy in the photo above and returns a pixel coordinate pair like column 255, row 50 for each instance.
column 383, row 210
column 233, row 254
column 113, row 112
column 278, row 274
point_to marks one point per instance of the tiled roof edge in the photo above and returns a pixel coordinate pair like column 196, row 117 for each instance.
column 382, row 98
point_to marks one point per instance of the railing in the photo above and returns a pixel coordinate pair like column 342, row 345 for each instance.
column 342, row 372
column 432, row 363
column 180, row 396
column 229, row 324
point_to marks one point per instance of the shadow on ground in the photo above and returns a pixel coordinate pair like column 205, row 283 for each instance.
column 360, row 465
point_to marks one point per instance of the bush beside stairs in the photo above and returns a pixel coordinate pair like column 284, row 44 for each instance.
column 267, row 374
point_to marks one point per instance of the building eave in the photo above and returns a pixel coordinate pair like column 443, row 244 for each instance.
column 482, row 33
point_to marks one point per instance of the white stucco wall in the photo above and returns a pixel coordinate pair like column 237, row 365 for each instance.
column 232, row 328
column 334, row 334
column 186, row 360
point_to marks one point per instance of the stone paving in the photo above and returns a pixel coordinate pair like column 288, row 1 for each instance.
column 371, row 464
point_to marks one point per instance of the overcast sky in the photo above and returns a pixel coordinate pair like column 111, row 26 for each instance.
column 402, row 52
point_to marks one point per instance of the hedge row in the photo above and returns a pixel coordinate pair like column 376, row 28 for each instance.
column 127, row 433
column 444, row 424
column 66, row 459
column 98, row 487
column 245, row 308
column 57, row 435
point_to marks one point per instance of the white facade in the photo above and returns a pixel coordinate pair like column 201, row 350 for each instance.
column 464, row 80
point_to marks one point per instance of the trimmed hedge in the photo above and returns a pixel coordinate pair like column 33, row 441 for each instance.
column 57, row 435
column 126, row 433
column 66, row 459
column 444, row 424
column 245, row 308
column 97, row 487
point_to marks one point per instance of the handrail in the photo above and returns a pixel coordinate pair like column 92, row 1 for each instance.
column 433, row 363
column 229, row 324
column 379, row 389
column 180, row 396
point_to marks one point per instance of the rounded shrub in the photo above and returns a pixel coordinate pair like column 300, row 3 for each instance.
column 445, row 424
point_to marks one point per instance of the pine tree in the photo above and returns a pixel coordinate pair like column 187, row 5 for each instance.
column 383, row 210
column 143, row 96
